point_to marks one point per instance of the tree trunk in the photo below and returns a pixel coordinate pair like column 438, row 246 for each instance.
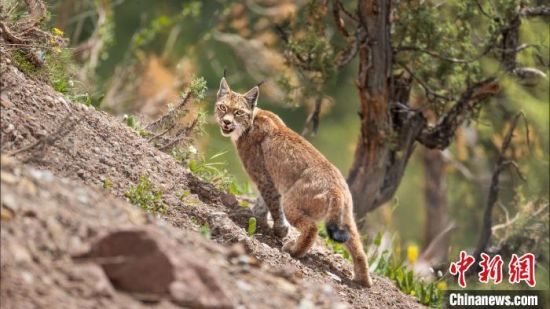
column 389, row 127
column 436, row 207
column 368, row 170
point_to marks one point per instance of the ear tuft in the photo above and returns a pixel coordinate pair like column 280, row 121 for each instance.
column 224, row 89
column 252, row 96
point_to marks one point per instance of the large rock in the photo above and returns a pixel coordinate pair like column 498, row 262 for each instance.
column 144, row 262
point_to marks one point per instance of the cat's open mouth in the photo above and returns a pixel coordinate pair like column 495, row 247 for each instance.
column 227, row 130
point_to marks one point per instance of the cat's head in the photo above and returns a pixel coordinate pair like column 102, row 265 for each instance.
column 234, row 111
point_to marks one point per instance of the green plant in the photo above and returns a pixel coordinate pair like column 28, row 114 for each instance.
column 52, row 62
column 198, row 87
column 145, row 196
column 251, row 226
column 210, row 169
column 133, row 123
column 107, row 183
column 205, row 231
column 204, row 228
column 184, row 194
column 392, row 266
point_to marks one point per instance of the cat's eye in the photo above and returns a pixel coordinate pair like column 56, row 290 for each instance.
column 239, row 113
column 222, row 108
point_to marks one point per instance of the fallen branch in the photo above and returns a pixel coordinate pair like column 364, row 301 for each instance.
column 9, row 36
column 38, row 148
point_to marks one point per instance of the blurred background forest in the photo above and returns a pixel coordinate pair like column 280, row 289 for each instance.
column 137, row 57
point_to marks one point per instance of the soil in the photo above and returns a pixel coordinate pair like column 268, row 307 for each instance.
column 55, row 211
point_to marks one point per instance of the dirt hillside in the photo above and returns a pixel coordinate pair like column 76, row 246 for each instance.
column 65, row 237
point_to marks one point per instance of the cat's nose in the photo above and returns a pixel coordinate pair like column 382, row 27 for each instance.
column 226, row 122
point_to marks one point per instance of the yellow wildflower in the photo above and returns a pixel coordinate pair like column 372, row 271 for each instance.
column 412, row 253
column 57, row 31
column 441, row 285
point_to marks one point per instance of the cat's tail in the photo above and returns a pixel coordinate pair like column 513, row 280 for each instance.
column 335, row 228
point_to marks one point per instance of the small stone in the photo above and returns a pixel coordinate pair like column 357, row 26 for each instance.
column 229, row 200
column 334, row 277
column 244, row 286
column 6, row 214
column 42, row 175
column 81, row 174
column 8, row 178
column 20, row 254
column 151, row 264
column 236, row 250
column 27, row 277
column 6, row 103
column 26, row 186
column 10, row 128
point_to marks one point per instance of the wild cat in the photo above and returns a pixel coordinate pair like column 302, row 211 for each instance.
column 295, row 180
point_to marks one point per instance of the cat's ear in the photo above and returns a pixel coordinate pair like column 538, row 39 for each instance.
column 252, row 97
column 224, row 89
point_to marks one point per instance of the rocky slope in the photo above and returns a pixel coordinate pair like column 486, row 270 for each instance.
column 65, row 238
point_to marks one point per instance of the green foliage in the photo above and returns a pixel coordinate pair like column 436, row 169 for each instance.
column 391, row 265
column 145, row 196
column 23, row 63
column 198, row 87
column 184, row 194
column 308, row 49
column 107, row 183
column 160, row 24
column 133, row 123
column 57, row 68
column 204, row 230
column 55, row 64
column 251, row 226
column 209, row 169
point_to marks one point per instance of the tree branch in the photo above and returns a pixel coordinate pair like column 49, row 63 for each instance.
column 411, row 124
column 492, row 199
column 483, row 10
column 338, row 21
column 9, row 36
column 440, row 135
column 430, row 93
column 313, row 117
column 171, row 116
column 443, row 57
column 536, row 11
column 37, row 13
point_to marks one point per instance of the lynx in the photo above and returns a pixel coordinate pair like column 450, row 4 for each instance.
column 297, row 183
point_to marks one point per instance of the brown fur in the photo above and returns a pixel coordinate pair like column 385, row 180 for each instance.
column 295, row 180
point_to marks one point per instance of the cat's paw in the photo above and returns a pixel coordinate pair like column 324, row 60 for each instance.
column 363, row 281
column 281, row 230
column 289, row 246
